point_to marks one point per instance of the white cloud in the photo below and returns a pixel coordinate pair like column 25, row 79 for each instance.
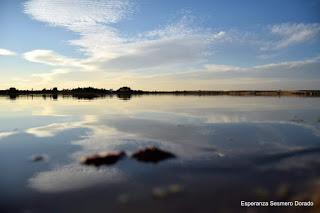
column 221, row 68
column 91, row 19
column 291, row 33
column 52, row 58
column 284, row 71
column 77, row 14
column 176, row 43
column 5, row 52
column 160, row 53
column 288, row 64
column 48, row 57
column 275, row 67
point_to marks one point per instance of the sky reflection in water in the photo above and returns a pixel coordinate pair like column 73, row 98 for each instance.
column 223, row 144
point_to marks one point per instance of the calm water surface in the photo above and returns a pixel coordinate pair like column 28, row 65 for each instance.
column 228, row 149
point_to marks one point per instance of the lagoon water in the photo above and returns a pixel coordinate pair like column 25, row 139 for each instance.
column 229, row 149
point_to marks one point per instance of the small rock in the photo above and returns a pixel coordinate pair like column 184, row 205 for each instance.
column 37, row 158
column 152, row 154
column 103, row 158
column 297, row 119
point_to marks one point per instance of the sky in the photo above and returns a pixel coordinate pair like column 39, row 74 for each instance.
column 160, row 44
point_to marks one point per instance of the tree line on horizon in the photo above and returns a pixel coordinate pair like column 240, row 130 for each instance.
column 13, row 90
column 91, row 92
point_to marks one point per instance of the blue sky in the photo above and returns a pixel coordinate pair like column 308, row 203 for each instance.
column 153, row 44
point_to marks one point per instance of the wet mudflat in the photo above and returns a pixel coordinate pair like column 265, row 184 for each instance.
column 158, row 153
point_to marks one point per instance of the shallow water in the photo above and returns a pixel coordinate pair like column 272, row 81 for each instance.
column 228, row 149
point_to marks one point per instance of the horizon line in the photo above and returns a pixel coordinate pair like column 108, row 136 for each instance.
column 126, row 88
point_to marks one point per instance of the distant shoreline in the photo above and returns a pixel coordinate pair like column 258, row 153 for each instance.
column 126, row 92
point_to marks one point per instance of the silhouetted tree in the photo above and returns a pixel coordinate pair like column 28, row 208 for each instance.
column 12, row 90
column 124, row 89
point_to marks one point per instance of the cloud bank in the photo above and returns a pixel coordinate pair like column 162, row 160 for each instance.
column 168, row 56
column 289, row 34
column 176, row 43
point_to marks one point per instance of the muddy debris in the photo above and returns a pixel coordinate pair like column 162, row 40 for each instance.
column 152, row 155
column 104, row 158
column 38, row 158
column 296, row 119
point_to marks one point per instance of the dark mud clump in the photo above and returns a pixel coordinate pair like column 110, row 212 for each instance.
column 152, row 155
column 103, row 158
column 38, row 158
